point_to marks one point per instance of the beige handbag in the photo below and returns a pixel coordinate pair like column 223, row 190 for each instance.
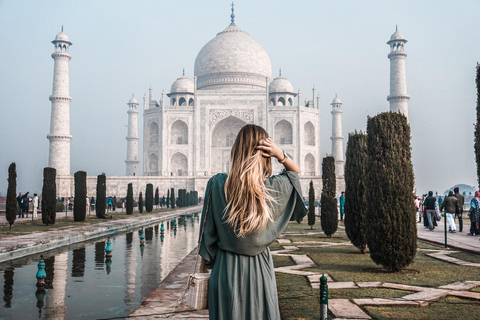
column 197, row 288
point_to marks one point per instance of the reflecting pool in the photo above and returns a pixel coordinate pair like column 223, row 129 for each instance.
column 82, row 283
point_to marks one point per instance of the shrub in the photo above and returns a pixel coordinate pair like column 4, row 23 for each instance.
column 328, row 209
column 140, row 203
column 168, row 198
column 114, row 203
column 129, row 208
column 355, row 197
column 49, row 192
column 11, row 207
column 149, row 198
column 101, row 196
column 311, row 205
column 390, row 216
column 59, row 207
column 80, row 204
column 172, row 198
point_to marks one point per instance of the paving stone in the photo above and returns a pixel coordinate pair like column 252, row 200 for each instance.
column 425, row 297
column 342, row 285
column 283, row 241
column 343, row 308
column 316, row 278
column 395, row 302
column 301, row 259
column 461, row 285
column 403, row 287
column 465, row 294
column 371, row 284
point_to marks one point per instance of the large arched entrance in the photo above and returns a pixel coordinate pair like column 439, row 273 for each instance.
column 179, row 165
column 222, row 138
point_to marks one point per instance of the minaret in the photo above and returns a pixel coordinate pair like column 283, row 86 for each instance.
column 337, row 137
column 398, row 97
column 59, row 137
column 132, row 138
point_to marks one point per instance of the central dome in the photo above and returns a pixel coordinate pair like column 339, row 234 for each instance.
column 232, row 60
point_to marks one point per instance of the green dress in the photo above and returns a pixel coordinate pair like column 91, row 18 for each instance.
column 242, row 282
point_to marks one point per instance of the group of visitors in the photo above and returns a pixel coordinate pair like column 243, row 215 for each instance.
column 429, row 208
column 24, row 205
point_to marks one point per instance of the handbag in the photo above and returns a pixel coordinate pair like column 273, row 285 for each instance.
column 197, row 287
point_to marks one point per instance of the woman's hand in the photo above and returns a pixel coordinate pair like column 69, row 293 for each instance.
column 270, row 149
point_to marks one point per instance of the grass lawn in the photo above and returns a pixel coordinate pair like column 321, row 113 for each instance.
column 343, row 263
column 26, row 227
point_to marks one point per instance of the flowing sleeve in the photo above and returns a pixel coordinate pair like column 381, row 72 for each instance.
column 208, row 243
column 299, row 210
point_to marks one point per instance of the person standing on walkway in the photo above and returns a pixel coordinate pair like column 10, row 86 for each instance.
column 25, row 205
column 474, row 214
column 92, row 203
column 417, row 207
column 247, row 211
column 19, row 201
column 35, row 206
column 440, row 201
column 109, row 203
column 450, row 204
column 429, row 205
column 461, row 201
column 342, row 205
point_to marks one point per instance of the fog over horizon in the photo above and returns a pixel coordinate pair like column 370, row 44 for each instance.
column 120, row 48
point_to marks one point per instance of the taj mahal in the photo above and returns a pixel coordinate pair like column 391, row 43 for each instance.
column 188, row 132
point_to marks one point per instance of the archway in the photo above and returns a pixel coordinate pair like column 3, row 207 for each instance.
column 153, row 134
column 309, row 134
column 309, row 165
column 179, row 164
column 222, row 138
column 153, row 165
column 179, row 133
column 283, row 132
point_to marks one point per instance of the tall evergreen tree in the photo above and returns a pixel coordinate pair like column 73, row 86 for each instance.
column 129, row 208
column 157, row 197
column 168, row 198
column 328, row 209
column 101, row 196
column 49, row 194
column 172, row 198
column 355, row 197
column 149, row 198
column 80, row 204
column 477, row 125
column 311, row 205
column 390, row 215
column 114, row 203
column 11, row 207
column 140, row 202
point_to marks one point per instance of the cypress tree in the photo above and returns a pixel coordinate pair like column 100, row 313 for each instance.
column 49, row 194
column 328, row 210
column 477, row 125
column 172, row 198
column 168, row 198
column 390, row 215
column 355, row 197
column 129, row 208
column 114, row 204
column 140, row 202
column 11, row 207
column 101, row 196
column 157, row 197
column 80, row 205
column 149, row 198
column 311, row 205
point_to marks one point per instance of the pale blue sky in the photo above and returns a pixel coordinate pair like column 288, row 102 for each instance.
column 123, row 47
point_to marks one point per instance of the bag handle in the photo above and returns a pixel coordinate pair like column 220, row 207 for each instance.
column 204, row 223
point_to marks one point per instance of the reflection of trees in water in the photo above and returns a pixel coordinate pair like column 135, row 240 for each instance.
column 49, row 270
column 78, row 262
column 99, row 255
column 148, row 234
column 8, row 287
column 129, row 237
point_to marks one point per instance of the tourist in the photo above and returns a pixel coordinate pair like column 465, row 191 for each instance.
column 440, row 201
column 429, row 207
column 417, row 207
column 235, row 245
column 35, row 205
column 109, row 203
column 342, row 205
column 426, row 224
column 461, row 201
column 92, row 203
column 474, row 214
column 19, row 201
column 450, row 204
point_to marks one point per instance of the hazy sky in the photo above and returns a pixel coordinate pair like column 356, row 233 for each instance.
column 123, row 47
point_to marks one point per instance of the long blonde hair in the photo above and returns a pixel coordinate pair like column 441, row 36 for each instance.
column 247, row 197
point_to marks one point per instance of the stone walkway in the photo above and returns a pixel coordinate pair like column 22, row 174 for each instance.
column 346, row 309
column 458, row 240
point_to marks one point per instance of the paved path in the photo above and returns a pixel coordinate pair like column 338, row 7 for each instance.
column 458, row 240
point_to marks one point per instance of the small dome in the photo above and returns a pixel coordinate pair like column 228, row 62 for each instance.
column 133, row 101
column 182, row 85
column 336, row 100
column 280, row 85
column 62, row 37
column 397, row 36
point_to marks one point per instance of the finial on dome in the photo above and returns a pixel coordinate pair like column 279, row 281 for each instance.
column 280, row 72
column 62, row 27
column 233, row 14
column 133, row 95
column 336, row 95
column 184, row 71
column 396, row 28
